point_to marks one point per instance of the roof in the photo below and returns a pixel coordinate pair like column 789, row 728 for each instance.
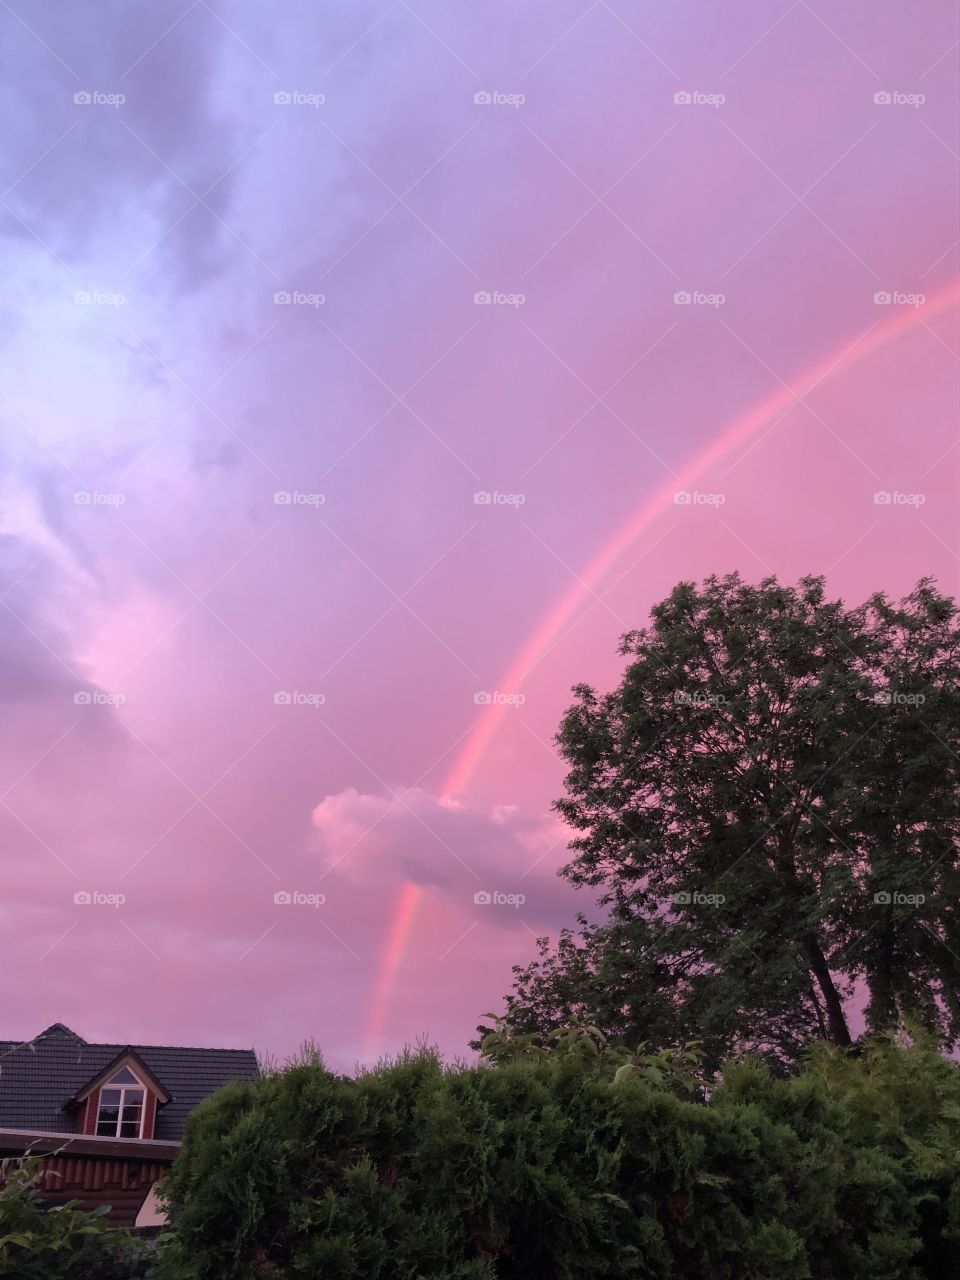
column 15, row 1141
column 38, row 1077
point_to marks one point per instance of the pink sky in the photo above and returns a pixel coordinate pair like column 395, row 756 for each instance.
column 337, row 154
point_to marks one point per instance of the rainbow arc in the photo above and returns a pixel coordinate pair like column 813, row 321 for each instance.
column 765, row 414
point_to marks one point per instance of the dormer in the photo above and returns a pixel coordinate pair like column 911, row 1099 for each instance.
column 121, row 1101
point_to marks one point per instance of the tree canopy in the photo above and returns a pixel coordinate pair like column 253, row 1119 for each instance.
column 768, row 805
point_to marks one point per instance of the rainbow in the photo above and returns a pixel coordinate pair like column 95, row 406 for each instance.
column 766, row 413
column 400, row 924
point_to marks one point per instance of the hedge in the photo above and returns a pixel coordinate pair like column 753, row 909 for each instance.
column 549, row 1166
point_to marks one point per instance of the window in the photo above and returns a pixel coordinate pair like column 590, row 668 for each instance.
column 122, row 1099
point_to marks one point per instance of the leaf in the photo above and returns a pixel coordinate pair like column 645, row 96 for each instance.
column 24, row 1241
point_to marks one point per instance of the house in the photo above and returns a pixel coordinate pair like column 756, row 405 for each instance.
column 107, row 1119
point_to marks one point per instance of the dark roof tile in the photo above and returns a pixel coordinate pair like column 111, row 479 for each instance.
column 37, row 1077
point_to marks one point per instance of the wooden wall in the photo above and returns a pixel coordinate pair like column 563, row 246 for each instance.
column 94, row 1180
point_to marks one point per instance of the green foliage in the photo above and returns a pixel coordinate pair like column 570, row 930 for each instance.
column 502, row 1042
column 579, row 1161
column 61, row 1242
column 679, row 1070
column 907, row 1104
column 769, row 805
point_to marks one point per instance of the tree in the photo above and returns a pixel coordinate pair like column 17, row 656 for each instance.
column 769, row 805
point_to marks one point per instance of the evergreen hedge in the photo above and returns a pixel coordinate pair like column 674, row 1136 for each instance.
column 575, row 1164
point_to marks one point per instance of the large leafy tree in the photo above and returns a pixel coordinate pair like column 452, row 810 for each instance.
column 769, row 807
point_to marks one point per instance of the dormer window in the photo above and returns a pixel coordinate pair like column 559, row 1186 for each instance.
column 121, row 1110
column 122, row 1101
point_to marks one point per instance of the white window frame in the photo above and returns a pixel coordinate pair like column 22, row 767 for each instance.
column 123, row 1090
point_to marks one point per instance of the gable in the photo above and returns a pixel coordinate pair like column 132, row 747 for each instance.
column 126, row 1068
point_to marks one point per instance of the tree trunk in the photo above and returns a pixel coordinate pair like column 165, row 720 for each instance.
column 839, row 1033
column 819, row 1011
column 882, row 1008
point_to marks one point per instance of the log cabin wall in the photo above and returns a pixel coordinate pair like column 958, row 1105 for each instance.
column 95, row 1180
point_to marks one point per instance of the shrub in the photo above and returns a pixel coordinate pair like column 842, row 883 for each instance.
column 574, row 1164
column 62, row 1242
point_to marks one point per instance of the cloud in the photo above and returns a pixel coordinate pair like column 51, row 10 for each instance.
column 119, row 163
column 456, row 848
